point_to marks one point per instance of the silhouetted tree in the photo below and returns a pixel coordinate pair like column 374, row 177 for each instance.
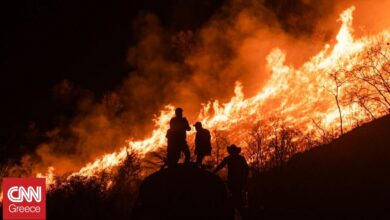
column 221, row 141
column 257, row 147
column 282, row 142
column 363, row 97
column 109, row 194
column 325, row 135
column 374, row 71
column 334, row 90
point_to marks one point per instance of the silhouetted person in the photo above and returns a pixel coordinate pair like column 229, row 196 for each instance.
column 177, row 137
column 202, row 143
column 173, row 149
column 237, row 175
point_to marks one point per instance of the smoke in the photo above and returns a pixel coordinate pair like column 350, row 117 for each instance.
column 189, row 67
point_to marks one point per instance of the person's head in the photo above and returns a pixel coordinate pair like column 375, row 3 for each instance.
column 179, row 112
column 233, row 149
column 198, row 126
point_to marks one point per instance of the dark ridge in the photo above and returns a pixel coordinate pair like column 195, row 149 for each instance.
column 348, row 179
column 183, row 192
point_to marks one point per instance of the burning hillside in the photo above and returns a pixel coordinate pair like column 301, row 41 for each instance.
column 344, row 85
column 354, row 74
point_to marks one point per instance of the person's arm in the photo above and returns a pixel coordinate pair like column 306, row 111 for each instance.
column 208, row 135
column 208, row 138
column 221, row 165
column 188, row 128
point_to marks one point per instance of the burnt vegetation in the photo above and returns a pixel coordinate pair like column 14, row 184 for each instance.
column 109, row 195
column 345, row 179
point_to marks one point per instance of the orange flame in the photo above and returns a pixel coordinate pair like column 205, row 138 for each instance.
column 297, row 95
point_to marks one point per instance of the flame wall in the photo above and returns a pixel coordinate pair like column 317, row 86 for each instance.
column 283, row 71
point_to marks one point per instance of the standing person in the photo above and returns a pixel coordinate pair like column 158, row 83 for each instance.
column 173, row 150
column 180, row 126
column 237, row 175
column 202, row 143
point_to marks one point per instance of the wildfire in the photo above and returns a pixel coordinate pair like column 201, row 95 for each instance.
column 296, row 96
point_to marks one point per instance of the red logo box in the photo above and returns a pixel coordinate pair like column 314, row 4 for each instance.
column 24, row 198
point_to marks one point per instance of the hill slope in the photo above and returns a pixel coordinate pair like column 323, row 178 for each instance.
column 182, row 192
column 348, row 178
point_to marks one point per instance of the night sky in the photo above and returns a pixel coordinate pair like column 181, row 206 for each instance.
column 46, row 41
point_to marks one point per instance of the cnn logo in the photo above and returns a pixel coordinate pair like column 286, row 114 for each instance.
column 24, row 198
column 22, row 194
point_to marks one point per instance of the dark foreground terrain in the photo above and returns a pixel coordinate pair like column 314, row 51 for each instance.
column 346, row 179
column 183, row 192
